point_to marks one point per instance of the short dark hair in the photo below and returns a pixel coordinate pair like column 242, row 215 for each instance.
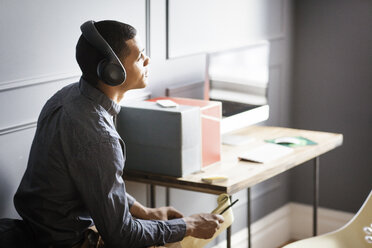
column 116, row 34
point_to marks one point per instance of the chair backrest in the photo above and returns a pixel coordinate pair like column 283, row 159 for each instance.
column 356, row 233
column 360, row 226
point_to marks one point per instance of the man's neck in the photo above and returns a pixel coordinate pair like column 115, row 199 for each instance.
column 115, row 93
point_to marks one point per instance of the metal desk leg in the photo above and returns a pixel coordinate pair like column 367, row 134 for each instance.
column 152, row 196
column 167, row 196
column 228, row 237
column 316, row 196
column 249, row 217
column 228, row 233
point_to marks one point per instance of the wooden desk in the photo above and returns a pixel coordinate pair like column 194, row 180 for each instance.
column 242, row 174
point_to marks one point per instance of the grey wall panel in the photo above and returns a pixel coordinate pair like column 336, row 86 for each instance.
column 332, row 92
column 22, row 105
column 274, row 96
column 165, row 72
column 37, row 51
column 275, row 194
column 278, row 52
column 187, row 69
column 138, row 190
column 211, row 25
column 41, row 35
column 14, row 151
column 46, row 23
column 189, row 202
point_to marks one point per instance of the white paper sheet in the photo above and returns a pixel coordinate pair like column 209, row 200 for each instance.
column 266, row 153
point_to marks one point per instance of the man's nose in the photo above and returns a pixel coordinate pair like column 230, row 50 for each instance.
column 146, row 62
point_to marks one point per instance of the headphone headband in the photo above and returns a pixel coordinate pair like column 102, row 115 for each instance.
column 110, row 70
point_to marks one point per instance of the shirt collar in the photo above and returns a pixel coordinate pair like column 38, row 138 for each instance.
column 98, row 97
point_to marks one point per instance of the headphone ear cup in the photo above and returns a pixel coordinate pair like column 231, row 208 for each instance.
column 100, row 68
column 111, row 73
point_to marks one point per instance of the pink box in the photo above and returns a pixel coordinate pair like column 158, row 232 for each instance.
column 211, row 114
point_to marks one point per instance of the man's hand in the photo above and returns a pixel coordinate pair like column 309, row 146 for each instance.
column 203, row 226
column 162, row 213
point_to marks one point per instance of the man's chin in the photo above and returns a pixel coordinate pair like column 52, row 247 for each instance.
column 140, row 86
column 144, row 83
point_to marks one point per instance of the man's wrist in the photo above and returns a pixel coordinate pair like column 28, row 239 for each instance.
column 188, row 226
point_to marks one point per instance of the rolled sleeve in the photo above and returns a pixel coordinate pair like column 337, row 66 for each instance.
column 97, row 174
column 177, row 230
column 130, row 200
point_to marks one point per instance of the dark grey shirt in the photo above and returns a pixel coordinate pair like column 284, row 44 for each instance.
column 74, row 176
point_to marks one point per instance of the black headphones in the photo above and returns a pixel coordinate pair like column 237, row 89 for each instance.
column 110, row 69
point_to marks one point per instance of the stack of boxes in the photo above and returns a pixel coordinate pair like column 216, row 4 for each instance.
column 171, row 141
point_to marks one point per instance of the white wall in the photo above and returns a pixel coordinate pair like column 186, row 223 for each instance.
column 271, row 194
column 37, row 58
column 37, row 51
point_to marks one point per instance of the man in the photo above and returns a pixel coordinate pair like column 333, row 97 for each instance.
column 74, row 179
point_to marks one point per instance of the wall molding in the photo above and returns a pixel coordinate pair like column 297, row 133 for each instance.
column 17, row 128
column 29, row 82
column 328, row 220
column 292, row 221
column 148, row 27
column 32, row 81
column 167, row 30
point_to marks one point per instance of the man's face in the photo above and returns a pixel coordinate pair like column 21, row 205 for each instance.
column 136, row 65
